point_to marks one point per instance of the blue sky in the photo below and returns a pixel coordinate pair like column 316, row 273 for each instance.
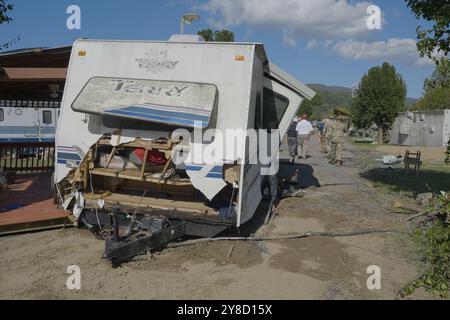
column 318, row 41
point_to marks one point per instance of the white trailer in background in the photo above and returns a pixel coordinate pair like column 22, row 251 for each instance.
column 428, row 128
column 127, row 97
column 28, row 121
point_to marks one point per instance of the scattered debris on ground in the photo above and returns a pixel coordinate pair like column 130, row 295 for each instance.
column 334, row 201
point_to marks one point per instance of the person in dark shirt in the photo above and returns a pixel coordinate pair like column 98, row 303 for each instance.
column 292, row 139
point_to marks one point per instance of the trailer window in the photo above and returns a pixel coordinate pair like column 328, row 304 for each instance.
column 275, row 105
column 46, row 117
column 2, row 114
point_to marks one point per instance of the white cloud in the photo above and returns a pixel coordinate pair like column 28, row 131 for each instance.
column 288, row 40
column 311, row 44
column 397, row 50
column 339, row 26
column 328, row 19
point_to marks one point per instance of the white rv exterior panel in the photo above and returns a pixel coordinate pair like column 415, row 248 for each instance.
column 228, row 76
column 163, row 61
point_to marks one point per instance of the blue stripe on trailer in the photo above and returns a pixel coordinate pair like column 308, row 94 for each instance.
column 193, row 168
column 68, row 156
column 163, row 119
column 217, row 169
column 26, row 130
column 159, row 112
column 21, row 140
column 64, row 161
column 214, row 175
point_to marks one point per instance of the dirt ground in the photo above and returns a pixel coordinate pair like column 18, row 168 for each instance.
column 33, row 266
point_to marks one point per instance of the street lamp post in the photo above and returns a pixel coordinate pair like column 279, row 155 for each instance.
column 187, row 19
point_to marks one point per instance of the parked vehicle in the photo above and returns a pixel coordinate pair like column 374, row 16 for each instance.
column 28, row 121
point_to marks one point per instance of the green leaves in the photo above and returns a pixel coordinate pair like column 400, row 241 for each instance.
column 224, row 36
column 437, row 88
column 436, row 38
column 380, row 97
column 310, row 107
column 4, row 8
column 435, row 252
column 217, row 36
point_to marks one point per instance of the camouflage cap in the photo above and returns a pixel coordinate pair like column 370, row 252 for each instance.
column 341, row 112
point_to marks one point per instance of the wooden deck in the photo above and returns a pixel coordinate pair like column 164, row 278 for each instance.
column 27, row 205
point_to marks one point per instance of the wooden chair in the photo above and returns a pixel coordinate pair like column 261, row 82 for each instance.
column 412, row 159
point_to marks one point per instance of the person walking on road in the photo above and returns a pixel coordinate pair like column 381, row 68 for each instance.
column 304, row 129
column 337, row 140
column 292, row 139
column 327, row 131
column 323, row 140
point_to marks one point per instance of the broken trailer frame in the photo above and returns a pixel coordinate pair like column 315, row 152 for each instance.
column 122, row 97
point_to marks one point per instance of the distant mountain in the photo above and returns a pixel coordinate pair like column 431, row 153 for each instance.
column 333, row 95
column 411, row 101
column 336, row 96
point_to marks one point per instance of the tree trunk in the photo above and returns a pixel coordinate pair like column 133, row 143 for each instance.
column 380, row 135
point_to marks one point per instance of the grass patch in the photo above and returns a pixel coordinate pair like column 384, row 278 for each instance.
column 364, row 145
column 433, row 239
column 432, row 178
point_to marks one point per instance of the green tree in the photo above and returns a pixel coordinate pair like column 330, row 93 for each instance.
column 217, row 36
column 305, row 108
column 4, row 8
column 224, row 36
column 5, row 18
column 437, row 88
column 309, row 107
column 379, row 98
column 435, row 99
column 207, row 34
column 436, row 38
column 440, row 77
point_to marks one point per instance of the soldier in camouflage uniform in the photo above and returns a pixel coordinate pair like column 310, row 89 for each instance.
column 323, row 140
column 327, row 130
column 337, row 140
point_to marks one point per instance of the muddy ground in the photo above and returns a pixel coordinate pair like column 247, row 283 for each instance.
column 33, row 266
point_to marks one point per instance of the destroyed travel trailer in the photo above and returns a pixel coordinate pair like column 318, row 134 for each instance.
column 118, row 165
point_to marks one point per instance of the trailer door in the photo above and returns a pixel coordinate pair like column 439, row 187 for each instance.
column 280, row 104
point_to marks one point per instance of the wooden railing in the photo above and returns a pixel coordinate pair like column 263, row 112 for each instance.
column 27, row 157
column 5, row 103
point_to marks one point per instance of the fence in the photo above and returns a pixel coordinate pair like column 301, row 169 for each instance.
column 29, row 104
column 27, row 157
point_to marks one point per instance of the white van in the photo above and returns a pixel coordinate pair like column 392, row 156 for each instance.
column 116, row 166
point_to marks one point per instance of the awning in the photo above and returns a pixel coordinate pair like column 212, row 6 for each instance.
column 167, row 102
column 33, row 74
